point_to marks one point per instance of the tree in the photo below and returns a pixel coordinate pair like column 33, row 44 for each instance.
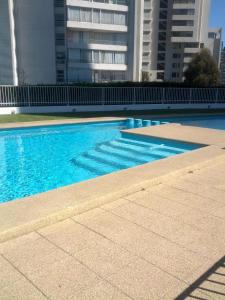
column 202, row 70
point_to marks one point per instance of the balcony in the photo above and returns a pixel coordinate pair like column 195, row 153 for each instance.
column 147, row 5
column 146, row 58
column 97, row 45
column 146, row 48
column 96, row 26
column 98, row 5
column 147, row 26
column 97, row 66
column 147, row 38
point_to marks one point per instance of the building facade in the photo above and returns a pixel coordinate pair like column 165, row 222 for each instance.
column 222, row 65
column 103, row 43
column 177, row 29
column 70, row 41
column 214, row 43
column 101, row 40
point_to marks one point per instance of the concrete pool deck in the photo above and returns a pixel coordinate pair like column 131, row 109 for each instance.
column 156, row 231
column 57, row 122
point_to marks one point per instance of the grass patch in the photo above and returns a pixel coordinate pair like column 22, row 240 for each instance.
column 150, row 113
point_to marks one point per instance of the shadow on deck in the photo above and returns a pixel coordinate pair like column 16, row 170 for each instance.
column 211, row 285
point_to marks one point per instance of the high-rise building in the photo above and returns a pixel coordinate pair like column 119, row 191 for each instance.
column 67, row 41
column 177, row 29
column 47, row 42
column 222, row 65
column 214, row 43
column 103, row 40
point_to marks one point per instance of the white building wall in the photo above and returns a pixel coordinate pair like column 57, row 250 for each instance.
column 8, row 74
column 104, row 40
column 35, row 41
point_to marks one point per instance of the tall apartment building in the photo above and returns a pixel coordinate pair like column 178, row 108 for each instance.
column 66, row 41
column 176, row 30
column 214, row 43
column 27, row 42
column 222, row 65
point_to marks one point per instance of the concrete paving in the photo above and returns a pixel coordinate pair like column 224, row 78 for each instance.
column 166, row 241
column 57, row 122
column 191, row 134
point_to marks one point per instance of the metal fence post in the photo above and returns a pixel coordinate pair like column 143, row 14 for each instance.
column 134, row 96
column 103, row 95
column 164, row 96
column 190, row 99
column 28, row 94
column 217, row 95
column 67, row 96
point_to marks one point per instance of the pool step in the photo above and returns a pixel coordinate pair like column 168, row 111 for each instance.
column 128, row 153
column 105, row 159
column 148, row 144
column 124, row 155
column 121, row 154
column 87, row 166
column 159, row 150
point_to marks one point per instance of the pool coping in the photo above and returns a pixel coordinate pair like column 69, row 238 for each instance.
column 22, row 216
column 70, row 121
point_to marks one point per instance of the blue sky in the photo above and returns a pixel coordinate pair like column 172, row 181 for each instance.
column 218, row 15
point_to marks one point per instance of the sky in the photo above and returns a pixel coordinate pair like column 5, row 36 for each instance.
column 218, row 15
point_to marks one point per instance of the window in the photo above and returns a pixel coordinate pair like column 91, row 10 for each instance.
column 160, row 66
column 176, row 55
column 162, row 25
column 163, row 3
column 183, row 23
column 60, row 39
column 176, row 65
column 89, row 15
column 162, row 36
column 97, row 56
column 160, row 75
column 163, row 14
column 60, row 57
column 60, row 76
column 189, row 55
column 161, row 56
column 59, row 20
column 76, row 37
column 183, row 1
column 175, row 75
column 183, row 12
column 182, row 33
column 59, row 3
column 162, row 47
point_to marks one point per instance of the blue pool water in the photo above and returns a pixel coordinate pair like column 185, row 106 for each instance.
column 215, row 122
column 38, row 159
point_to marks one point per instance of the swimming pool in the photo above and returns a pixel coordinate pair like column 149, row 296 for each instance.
column 215, row 122
column 39, row 159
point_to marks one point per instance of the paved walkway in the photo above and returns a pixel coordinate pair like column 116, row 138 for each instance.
column 165, row 242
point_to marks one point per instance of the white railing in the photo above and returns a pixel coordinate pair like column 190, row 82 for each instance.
column 11, row 96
